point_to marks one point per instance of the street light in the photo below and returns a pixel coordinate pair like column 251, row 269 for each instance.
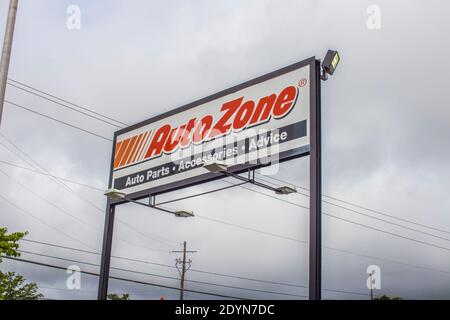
column 116, row 194
column 221, row 167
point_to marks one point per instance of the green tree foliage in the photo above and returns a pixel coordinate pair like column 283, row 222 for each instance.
column 113, row 296
column 12, row 287
column 8, row 242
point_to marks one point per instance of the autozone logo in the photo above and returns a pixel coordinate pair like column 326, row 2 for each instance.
column 235, row 115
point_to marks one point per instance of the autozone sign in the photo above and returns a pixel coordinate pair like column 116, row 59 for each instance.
column 257, row 123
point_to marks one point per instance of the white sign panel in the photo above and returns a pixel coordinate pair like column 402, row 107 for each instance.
column 254, row 124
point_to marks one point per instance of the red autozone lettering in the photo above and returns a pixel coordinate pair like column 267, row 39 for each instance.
column 235, row 115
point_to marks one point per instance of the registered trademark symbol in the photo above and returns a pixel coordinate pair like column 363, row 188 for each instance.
column 302, row 82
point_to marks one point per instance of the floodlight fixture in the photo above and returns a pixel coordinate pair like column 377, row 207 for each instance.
column 115, row 194
column 285, row 190
column 184, row 213
column 330, row 63
column 215, row 166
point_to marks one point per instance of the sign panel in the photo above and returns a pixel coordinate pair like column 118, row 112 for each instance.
column 257, row 123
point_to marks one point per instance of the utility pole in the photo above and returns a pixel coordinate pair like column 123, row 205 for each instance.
column 6, row 53
column 183, row 263
column 183, row 272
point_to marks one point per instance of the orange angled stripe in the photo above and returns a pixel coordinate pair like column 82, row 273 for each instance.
column 120, row 153
column 133, row 151
column 144, row 145
column 118, row 144
column 128, row 151
column 138, row 150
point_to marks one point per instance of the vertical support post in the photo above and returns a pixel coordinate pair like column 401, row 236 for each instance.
column 106, row 251
column 315, row 180
column 6, row 52
column 107, row 237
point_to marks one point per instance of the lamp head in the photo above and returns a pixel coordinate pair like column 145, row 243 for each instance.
column 115, row 194
column 285, row 190
column 184, row 214
column 331, row 61
column 215, row 166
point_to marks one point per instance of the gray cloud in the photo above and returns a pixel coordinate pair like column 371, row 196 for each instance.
column 385, row 120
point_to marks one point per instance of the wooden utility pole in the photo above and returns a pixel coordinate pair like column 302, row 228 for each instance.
column 183, row 268
column 6, row 53
column 183, row 263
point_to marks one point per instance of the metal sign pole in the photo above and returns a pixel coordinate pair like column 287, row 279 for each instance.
column 107, row 239
column 315, row 180
column 106, row 251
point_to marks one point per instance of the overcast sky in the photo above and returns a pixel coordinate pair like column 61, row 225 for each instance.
column 386, row 123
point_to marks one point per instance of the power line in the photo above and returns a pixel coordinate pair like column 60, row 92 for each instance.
column 304, row 207
column 386, row 232
column 375, row 218
column 307, row 208
column 378, row 212
column 57, row 120
column 298, row 204
column 386, row 260
column 164, row 286
column 51, row 175
column 392, row 261
column 65, row 211
column 164, row 276
column 391, row 216
column 74, row 192
column 359, row 206
column 260, row 280
column 69, row 102
column 305, row 242
column 372, row 217
column 60, row 246
column 49, row 202
column 164, row 265
column 123, row 279
column 36, row 166
column 241, row 277
column 43, row 222
column 65, row 106
column 33, row 163
column 251, row 229
column 389, row 222
column 353, row 222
